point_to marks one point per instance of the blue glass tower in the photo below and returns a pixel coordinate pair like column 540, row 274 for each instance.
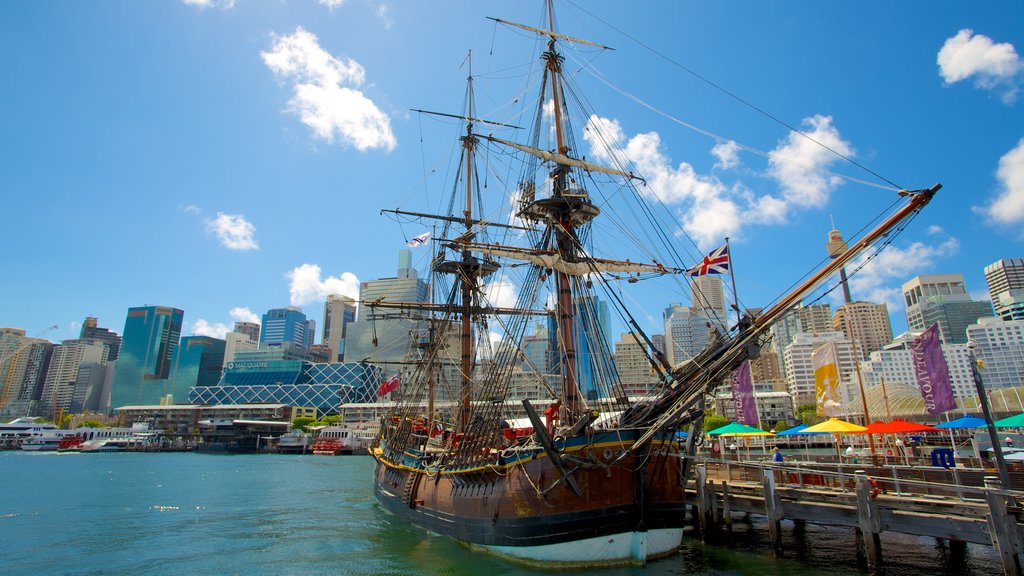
column 148, row 346
column 282, row 325
column 198, row 363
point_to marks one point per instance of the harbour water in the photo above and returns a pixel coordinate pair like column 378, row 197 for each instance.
column 197, row 514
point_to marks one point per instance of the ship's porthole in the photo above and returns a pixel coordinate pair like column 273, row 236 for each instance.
column 607, row 453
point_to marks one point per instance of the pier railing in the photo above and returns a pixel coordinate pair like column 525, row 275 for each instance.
column 953, row 504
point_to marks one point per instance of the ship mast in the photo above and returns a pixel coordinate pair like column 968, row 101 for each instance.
column 467, row 277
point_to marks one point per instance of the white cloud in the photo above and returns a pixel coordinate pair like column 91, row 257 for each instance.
column 501, row 293
column 192, row 209
column 307, row 285
column 204, row 4
column 234, row 231
column 993, row 66
column 213, row 330
column 799, row 164
column 241, row 314
column 326, row 97
column 1008, row 206
column 331, row 4
column 872, row 283
column 384, row 13
column 727, row 154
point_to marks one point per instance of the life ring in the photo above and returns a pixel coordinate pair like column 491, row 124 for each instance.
column 875, row 490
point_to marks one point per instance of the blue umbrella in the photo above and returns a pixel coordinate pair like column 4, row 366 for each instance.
column 965, row 422
column 798, row 430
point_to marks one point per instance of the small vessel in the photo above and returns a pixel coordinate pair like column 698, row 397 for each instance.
column 107, row 445
column 337, row 441
column 593, row 476
column 294, row 442
column 41, row 443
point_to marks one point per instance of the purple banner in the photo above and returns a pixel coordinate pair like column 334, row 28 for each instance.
column 932, row 372
column 743, row 396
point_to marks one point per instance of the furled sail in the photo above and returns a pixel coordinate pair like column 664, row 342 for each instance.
column 554, row 261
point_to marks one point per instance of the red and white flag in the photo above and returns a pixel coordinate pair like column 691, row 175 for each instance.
column 388, row 386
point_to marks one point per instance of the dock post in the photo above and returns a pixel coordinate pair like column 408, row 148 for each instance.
column 702, row 501
column 1005, row 533
column 726, row 508
column 870, row 524
column 773, row 511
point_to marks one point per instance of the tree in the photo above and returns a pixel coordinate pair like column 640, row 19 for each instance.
column 808, row 414
column 712, row 421
column 780, row 425
column 91, row 424
column 301, row 422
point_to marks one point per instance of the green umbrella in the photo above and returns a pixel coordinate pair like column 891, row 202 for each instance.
column 737, row 429
column 1011, row 422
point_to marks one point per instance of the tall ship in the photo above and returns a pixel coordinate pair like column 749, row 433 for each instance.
column 581, row 470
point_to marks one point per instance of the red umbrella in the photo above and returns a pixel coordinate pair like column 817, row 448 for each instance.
column 898, row 426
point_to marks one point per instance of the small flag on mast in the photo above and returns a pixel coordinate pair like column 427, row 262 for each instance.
column 419, row 240
column 717, row 262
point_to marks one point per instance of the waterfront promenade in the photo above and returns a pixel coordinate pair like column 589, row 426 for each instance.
column 954, row 505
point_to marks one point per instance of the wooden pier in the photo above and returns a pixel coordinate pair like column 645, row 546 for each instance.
column 957, row 505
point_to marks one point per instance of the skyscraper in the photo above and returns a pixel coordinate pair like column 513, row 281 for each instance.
column 686, row 332
column 197, row 363
column 384, row 340
column 112, row 340
column 59, row 387
column 148, row 346
column 708, row 296
column 635, row 373
column 941, row 299
column 869, row 323
column 250, row 329
column 1005, row 280
column 282, row 325
column 339, row 312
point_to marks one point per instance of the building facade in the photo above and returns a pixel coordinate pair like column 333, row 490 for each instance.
column 148, row 345
column 799, row 370
column 636, row 376
column 999, row 344
column 59, row 387
column 942, row 299
column 866, row 324
column 686, row 333
column 112, row 340
column 199, row 362
column 287, row 324
column 1005, row 279
column 339, row 312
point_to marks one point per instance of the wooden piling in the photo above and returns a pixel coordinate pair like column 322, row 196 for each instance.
column 726, row 508
column 1005, row 533
column 870, row 523
column 773, row 511
column 702, row 501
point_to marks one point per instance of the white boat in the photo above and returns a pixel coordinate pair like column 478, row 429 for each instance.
column 294, row 442
column 107, row 445
column 335, row 440
column 41, row 443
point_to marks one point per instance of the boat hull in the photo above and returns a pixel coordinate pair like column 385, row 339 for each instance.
column 628, row 512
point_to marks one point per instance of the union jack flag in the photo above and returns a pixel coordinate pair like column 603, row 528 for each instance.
column 717, row 262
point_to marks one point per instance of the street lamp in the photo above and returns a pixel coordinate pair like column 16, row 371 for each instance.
column 997, row 449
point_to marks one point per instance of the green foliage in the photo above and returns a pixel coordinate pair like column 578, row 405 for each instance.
column 331, row 420
column 712, row 421
column 92, row 424
column 301, row 422
column 781, row 425
column 808, row 414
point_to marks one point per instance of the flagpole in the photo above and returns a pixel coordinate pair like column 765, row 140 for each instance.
column 732, row 277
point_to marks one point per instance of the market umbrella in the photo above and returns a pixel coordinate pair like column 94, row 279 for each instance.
column 836, row 427
column 737, row 429
column 1011, row 422
column 799, row 431
column 965, row 422
column 897, row 426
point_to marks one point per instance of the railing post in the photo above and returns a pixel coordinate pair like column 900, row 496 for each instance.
column 773, row 511
column 870, row 524
column 1005, row 533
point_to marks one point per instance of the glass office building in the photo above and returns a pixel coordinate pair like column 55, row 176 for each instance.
column 198, row 363
column 148, row 346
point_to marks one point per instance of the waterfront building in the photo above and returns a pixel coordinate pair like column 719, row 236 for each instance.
column 277, row 376
column 869, row 323
column 185, row 418
column 112, row 340
column 768, row 369
column 772, row 405
column 800, row 372
column 537, row 350
column 376, row 336
column 636, row 376
column 148, row 344
column 250, row 329
column 593, row 345
column 287, row 324
column 708, row 296
column 942, row 299
column 198, row 363
column 815, row 318
column 1000, row 345
column 12, row 342
column 1005, row 279
column 339, row 312
column 235, row 342
column 686, row 332
column 59, row 386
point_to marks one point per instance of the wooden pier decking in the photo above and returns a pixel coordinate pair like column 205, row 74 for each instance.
column 954, row 504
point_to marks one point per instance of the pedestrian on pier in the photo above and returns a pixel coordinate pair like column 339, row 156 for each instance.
column 776, row 455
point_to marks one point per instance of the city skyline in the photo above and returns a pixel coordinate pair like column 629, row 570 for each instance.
column 222, row 190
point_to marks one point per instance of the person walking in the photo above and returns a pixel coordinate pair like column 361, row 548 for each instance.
column 777, row 455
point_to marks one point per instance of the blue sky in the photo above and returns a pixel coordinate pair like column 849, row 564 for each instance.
column 228, row 157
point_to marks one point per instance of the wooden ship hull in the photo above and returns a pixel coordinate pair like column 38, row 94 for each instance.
column 521, row 507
